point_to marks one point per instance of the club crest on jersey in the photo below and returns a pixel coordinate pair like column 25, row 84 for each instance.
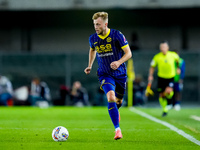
column 108, row 39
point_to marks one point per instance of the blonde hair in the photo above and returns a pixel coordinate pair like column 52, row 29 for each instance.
column 103, row 15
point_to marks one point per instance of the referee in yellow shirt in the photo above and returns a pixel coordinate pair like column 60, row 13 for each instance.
column 165, row 62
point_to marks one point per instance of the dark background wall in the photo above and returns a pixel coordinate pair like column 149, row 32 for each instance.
column 53, row 45
column 68, row 30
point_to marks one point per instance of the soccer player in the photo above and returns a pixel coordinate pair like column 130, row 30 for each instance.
column 164, row 61
column 111, row 49
column 178, row 84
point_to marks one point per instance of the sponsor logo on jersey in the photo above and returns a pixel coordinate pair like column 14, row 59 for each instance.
column 103, row 48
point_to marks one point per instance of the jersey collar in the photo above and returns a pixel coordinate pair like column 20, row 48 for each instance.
column 104, row 36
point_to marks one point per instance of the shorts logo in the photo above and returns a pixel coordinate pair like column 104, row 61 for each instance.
column 103, row 81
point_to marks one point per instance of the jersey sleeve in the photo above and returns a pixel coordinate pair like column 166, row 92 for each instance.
column 91, row 43
column 122, row 40
column 153, row 62
column 176, row 56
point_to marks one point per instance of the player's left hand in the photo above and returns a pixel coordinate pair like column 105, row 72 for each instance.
column 88, row 70
column 114, row 65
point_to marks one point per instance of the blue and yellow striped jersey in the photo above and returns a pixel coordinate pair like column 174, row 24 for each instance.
column 109, row 49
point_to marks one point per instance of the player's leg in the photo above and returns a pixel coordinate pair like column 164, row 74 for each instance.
column 163, row 103
column 169, row 92
column 162, row 84
column 112, row 106
column 119, row 94
column 162, row 99
column 108, row 86
column 113, row 109
column 120, row 90
column 165, row 97
column 119, row 102
column 114, row 113
column 165, row 88
column 177, row 96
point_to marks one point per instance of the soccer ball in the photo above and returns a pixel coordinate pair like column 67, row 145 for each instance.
column 60, row 134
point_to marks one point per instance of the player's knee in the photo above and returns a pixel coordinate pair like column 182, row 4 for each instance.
column 168, row 90
column 111, row 96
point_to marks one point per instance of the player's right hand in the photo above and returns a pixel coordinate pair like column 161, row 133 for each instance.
column 149, row 91
column 87, row 70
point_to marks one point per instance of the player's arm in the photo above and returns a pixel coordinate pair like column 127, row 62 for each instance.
column 150, row 80
column 151, row 72
column 127, row 55
column 182, row 70
column 182, row 75
column 178, row 71
column 177, row 58
column 92, row 56
column 150, row 77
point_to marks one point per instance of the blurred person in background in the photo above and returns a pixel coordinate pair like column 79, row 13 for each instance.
column 134, row 42
column 79, row 94
column 112, row 51
column 64, row 92
column 39, row 92
column 164, row 61
column 100, row 98
column 178, row 83
column 139, row 86
column 6, row 90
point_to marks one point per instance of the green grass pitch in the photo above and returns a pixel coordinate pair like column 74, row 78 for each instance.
column 90, row 128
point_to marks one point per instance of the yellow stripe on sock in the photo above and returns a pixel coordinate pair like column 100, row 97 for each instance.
column 111, row 108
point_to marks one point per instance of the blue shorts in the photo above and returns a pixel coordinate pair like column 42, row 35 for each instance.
column 177, row 87
column 108, row 83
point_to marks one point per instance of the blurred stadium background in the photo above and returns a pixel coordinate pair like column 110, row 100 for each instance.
column 49, row 39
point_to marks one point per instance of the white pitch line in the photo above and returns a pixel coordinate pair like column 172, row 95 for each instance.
column 197, row 118
column 181, row 132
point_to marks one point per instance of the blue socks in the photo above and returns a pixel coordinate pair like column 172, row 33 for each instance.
column 114, row 114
